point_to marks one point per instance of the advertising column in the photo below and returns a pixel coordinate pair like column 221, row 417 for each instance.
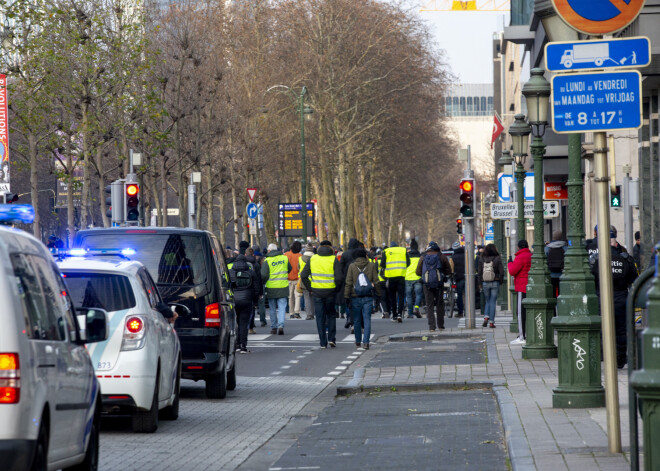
column 4, row 136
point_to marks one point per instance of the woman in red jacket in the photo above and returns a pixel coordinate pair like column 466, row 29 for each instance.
column 519, row 269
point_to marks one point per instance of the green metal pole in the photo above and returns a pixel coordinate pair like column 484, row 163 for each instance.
column 577, row 323
column 520, row 199
column 303, row 164
column 539, row 303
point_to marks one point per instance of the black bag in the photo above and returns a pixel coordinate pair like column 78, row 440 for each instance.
column 556, row 259
column 243, row 279
column 431, row 274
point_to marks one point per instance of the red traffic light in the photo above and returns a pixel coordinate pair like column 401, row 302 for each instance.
column 466, row 185
column 459, row 221
column 132, row 190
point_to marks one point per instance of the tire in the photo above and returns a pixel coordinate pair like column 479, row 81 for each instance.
column 449, row 304
column 91, row 461
column 147, row 422
column 216, row 385
column 40, row 459
column 231, row 378
column 172, row 412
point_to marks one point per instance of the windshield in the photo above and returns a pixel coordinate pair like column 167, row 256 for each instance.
column 100, row 290
column 173, row 259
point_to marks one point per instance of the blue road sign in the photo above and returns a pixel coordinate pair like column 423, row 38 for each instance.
column 506, row 181
column 252, row 210
column 592, row 102
column 490, row 232
column 602, row 54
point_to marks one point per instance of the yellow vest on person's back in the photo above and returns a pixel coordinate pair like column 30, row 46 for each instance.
column 395, row 262
column 411, row 271
column 322, row 270
column 279, row 271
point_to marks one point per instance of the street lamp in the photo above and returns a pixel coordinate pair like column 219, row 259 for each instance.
column 506, row 164
column 519, row 132
column 539, row 303
column 305, row 114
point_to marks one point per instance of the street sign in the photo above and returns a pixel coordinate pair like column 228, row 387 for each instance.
column 4, row 136
column 598, row 16
column 290, row 219
column 555, row 191
column 170, row 212
column 251, row 210
column 251, row 193
column 602, row 54
column 592, row 102
column 490, row 232
column 253, row 226
column 510, row 210
column 505, row 183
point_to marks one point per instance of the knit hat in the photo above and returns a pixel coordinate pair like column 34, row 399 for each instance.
column 433, row 247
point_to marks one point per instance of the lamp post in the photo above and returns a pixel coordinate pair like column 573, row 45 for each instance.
column 305, row 112
column 540, row 303
column 506, row 163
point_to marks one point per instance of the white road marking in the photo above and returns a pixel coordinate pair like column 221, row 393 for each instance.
column 351, row 338
column 352, row 357
column 336, row 422
column 340, row 367
column 347, row 362
column 285, row 367
column 305, row 337
column 326, row 378
column 357, row 353
column 300, row 357
column 335, row 373
column 258, row 337
column 276, row 373
column 293, row 362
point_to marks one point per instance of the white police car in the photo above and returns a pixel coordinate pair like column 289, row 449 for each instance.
column 139, row 366
column 49, row 394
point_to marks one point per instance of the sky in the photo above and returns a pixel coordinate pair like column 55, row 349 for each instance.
column 467, row 39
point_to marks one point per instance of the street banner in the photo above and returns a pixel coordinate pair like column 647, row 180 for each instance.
column 497, row 129
column 4, row 136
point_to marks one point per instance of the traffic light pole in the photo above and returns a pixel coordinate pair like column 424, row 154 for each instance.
column 468, row 230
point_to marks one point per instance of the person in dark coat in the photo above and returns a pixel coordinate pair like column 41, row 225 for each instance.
column 252, row 260
column 246, row 288
column 458, row 257
column 345, row 261
column 637, row 251
column 490, row 282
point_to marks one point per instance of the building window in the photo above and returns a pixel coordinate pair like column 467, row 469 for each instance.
column 462, row 106
column 484, row 108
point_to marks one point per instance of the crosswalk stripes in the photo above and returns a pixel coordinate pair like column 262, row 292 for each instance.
column 350, row 338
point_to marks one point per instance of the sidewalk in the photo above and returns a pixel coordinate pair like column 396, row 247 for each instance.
column 537, row 436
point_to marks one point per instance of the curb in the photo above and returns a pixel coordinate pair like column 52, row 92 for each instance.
column 430, row 335
column 354, row 386
column 520, row 455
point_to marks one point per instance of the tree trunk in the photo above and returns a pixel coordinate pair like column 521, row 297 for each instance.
column 70, row 216
column 221, row 219
column 370, row 206
column 391, row 218
column 162, row 213
column 269, row 226
column 357, row 213
column 85, row 191
column 34, row 184
column 102, row 194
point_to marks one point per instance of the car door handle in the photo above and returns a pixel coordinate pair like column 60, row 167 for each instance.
column 48, row 349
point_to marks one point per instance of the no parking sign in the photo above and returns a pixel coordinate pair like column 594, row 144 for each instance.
column 598, row 16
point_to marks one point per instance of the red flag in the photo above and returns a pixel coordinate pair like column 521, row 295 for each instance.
column 497, row 129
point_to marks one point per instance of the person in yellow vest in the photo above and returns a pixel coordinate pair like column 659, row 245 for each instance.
column 322, row 276
column 414, row 291
column 395, row 262
column 307, row 296
column 274, row 274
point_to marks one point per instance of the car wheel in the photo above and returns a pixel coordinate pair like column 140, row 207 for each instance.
column 216, row 385
column 91, row 461
column 172, row 412
column 147, row 422
column 231, row 378
column 40, row 460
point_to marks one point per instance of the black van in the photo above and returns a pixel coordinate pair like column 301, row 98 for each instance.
column 189, row 268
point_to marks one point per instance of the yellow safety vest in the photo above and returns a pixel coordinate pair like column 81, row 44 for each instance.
column 322, row 272
column 395, row 262
column 279, row 271
column 411, row 271
column 377, row 262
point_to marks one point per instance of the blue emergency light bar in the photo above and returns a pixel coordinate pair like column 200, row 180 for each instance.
column 16, row 214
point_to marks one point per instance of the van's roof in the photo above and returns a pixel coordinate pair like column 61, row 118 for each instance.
column 100, row 264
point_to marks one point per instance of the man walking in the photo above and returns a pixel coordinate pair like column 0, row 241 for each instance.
column 413, row 282
column 307, row 296
column 293, row 256
column 244, row 283
column 361, row 284
column 274, row 272
column 433, row 267
column 458, row 257
column 322, row 277
column 395, row 261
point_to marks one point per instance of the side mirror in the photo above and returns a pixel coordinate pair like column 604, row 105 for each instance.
column 180, row 309
column 93, row 324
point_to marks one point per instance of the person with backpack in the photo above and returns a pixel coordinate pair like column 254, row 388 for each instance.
column 246, row 287
column 519, row 268
column 360, row 286
column 554, row 253
column 307, row 296
column 489, row 277
column 434, row 268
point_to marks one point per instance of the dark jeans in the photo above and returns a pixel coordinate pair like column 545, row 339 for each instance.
column 522, row 315
column 384, row 301
column 413, row 295
column 361, row 312
column 326, row 318
column 460, row 296
column 396, row 288
column 261, row 306
column 620, row 298
column 243, row 315
column 555, row 286
column 435, row 307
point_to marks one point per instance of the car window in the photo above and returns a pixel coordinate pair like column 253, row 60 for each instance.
column 41, row 324
column 69, row 311
column 152, row 283
column 220, row 263
column 51, row 292
column 100, row 290
column 170, row 258
column 149, row 290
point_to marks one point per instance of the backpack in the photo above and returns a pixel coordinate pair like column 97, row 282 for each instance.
column 363, row 285
column 556, row 259
column 243, row 279
column 432, row 276
column 488, row 272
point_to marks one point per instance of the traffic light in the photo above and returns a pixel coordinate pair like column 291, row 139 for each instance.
column 108, row 201
column 467, row 198
column 459, row 226
column 132, row 193
column 9, row 198
column 615, row 197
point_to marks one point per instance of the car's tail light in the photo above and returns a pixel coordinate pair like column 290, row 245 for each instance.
column 134, row 333
column 10, row 378
column 453, row 286
column 212, row 315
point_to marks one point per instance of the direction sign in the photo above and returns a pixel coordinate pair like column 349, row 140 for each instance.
column 555, row 191
column 253, row 226
column 290, row 219
column 598, row 16
column 593, row 102
column 602, row 54
column 510, row 210
column 251, row 210
column 251, row 193
column 506, row 182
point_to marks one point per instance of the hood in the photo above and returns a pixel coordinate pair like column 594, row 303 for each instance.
column 324, row 251
column 521, row 251
column 414, row 253
column 240, row 265
column 308, row 253
column 251, row 259
column 460, row 250
column 361, row 262
column 556, row 244
column 353, row 243
column 274, row 253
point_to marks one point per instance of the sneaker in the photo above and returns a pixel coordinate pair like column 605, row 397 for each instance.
column 366, row 346
column 273, row 331
column 332, row 344
column 485, row 324
column 394, row 319
column 357, row 344
column 431, row 330
column 324, row 346
column 292, row 316
column 309, row 318
column 418, row 315
column 491, row 325
column 280, row 331
column 352, row 330
column 399, row 319
column 244, row 350
column 459, row 315
column 385, row 315
column 297, row 316
column 252, row 331
column 518, row 341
